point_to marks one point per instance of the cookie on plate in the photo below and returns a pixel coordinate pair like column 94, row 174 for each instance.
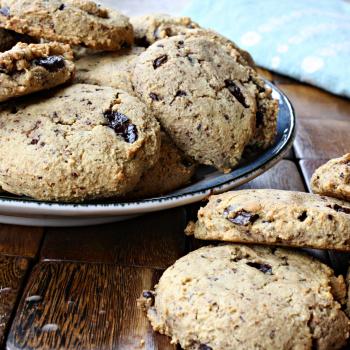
column 333, row 178
column 77, row 143
column 76, row 22
column 28, row 68
column 240, row 297
column 8, row 39
column 172, row 171
column 204, row 99
column 275, row 217
column 112, row 69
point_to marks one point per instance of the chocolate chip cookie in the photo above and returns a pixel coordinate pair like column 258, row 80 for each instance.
column 275, row 217
column 29, row 68
column 204, row 99
column 109, row 69
column 77, row 22
column 239, row 297
column 172, row 171
column 76, row 143
column 333, row 178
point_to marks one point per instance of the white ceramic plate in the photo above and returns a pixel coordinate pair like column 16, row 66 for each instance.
column 25, row 211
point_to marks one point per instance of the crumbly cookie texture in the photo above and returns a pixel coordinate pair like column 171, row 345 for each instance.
column 246, row 297
column 151, row 28
column 77, row 143
column 275, row 217
column 109, row 69
column 172, row 171
column 29, row 68
column 74, row 22
column 205, row 100
column 8, row 39
column 333, row 178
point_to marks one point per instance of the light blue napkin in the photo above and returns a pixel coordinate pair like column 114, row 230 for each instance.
column 308, row 40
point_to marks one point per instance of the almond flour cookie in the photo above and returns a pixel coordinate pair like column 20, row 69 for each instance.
column 239, row 297
column 76, row 22
column 203, row 98
column 28, row 68
column 275, row 217
column 78, row 143
column 333, row 178
column 172, row 171
column 109, row 69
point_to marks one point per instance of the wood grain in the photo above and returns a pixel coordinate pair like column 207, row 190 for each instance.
column 12, row 271
column 154, row 240
column 84, row 307
column 311, row 102
column 321, row 138
column 20, row 240
column 308, row 167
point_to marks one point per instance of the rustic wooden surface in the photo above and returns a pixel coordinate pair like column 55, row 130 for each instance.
column 76, row 288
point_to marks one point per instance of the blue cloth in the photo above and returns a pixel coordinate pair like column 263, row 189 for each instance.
column 308, row 40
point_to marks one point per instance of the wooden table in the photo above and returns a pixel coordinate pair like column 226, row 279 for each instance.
column 76, row 288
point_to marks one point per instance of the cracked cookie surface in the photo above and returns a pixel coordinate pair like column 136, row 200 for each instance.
column 112, row 69
column 76, row 143
column 203, row 98
column 275, row 217
column 75, row 22
column 333, row 178
column 29, row 68
column 248, row 297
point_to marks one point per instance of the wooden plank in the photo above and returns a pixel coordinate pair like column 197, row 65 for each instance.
column 20, row 240
column 154, row 240
column 321, row 138
column 12, row 271
column 311, row 102
column 283, row 176
column 308, row 167
column 84, row 307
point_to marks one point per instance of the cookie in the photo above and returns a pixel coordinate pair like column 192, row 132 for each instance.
column 240, row 297
column 172, row 171
column 275, row 217
column 205, row 100
column 76, row 22
column 77, row 143
column 109, row 69
column 29, row 68
column 8, row 39
column 151, row 28
column 333, row 178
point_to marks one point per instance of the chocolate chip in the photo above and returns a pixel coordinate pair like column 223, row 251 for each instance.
column 34, row 141
column 154, row 96
column 51, row 63
column 330, row 217
column 302, row 217
column 159, row 61
column 265, row 268
column 5, row 11
column 148, row 295
column 181, row 93
column 186, row 162
column 62, row 7
column 236, row 92
column 205, row 347
column 121, row 125
column 339, row 208
column 242, row 217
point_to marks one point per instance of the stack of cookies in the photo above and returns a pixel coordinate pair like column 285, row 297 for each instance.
column 259, row 296
column 97, row 105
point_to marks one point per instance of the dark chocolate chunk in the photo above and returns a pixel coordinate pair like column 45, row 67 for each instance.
column 148, row 295
column 159, row 61
column 242, row 217
column 205, row 347
column 339, row 208
column 154, row 96
column 51, row 63
column 302, row 217
column 5, row 11
column 181, row 93
column 62, row 6
column 121, row 125
column 265, row 268
column 236, row 92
